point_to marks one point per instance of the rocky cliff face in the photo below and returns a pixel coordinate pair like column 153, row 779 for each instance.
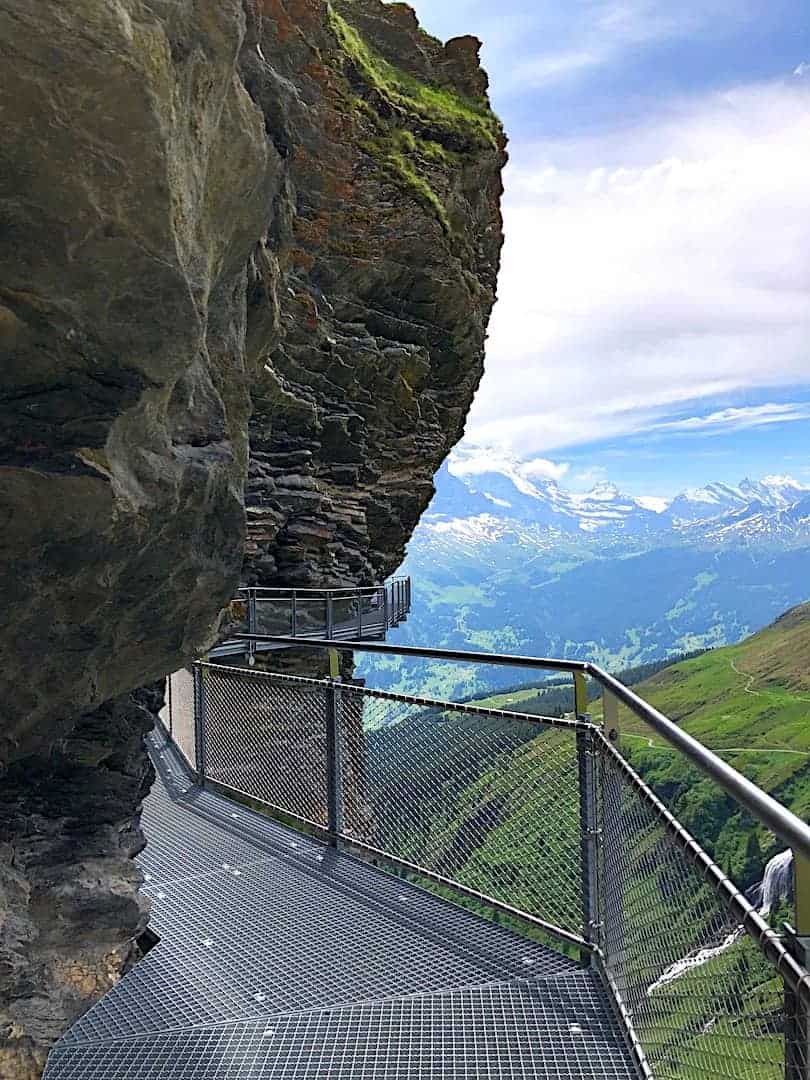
column 395, row 159
column 202, row 201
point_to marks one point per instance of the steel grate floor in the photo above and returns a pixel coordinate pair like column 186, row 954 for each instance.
column 280, row 958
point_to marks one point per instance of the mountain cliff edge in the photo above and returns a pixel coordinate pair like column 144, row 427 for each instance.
column 248, row 253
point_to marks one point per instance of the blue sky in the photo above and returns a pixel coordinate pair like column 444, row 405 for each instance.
column 653, row 326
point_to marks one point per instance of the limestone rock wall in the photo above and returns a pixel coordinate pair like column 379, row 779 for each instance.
column 69, row 905
column 202, row 203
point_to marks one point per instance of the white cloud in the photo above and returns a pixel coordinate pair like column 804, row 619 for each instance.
column 651, row 270
column 543, row 469
column 751, row 416
column 480, row 460
column 802, row 68
column 475, row 461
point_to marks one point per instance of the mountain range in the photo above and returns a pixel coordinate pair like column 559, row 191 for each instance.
column 504, row 499
column 513, row 563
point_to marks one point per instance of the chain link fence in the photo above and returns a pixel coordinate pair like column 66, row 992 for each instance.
column 265, row 737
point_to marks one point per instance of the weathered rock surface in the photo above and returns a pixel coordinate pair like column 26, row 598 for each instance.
column 202, row 201
column 135, row 179
column 391, row 279
column 68, row 888
column 135, row 176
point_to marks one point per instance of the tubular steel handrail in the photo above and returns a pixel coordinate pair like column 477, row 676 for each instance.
column 781, row 821
column 351, row 590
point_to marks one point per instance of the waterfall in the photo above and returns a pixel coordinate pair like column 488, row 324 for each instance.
column 776, row 885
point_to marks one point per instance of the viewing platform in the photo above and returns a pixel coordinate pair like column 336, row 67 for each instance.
column 283, row 958
column 354, row 884
column 351, row 614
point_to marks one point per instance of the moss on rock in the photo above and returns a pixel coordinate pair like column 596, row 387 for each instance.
column 448, row 114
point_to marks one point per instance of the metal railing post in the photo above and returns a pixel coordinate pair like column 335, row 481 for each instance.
column 610, row 713
column 801, row 881
column 169, row 683
column 253, row 622
column 330, row 617
column 386, row 609
column 334, row 766
column 590, row 835
column 797, row 1009
column 580, row 695
column 294, row 614
column 613, row 871
column 360, row 614
column 200, row 724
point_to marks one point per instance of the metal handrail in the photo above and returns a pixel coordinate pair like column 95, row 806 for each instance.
column 782, row 822
column 374, row 610
column 349, row 590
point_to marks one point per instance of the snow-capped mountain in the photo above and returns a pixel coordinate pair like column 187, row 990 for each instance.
column 509, row 559
column 756, row 522
column 511, row 497
column 495, row 503
column 772, row 492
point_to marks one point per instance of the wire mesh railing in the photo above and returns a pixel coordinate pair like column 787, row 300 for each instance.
column 538, row 817
column 266, row 738
column 700, row 995
column 446, row 790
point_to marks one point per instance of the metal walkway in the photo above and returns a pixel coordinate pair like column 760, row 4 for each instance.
column 281, row 958
column 345, row 614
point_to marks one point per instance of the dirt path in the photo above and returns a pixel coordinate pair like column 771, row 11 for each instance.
column 725, row 750
column 758, row 693
column 751, row 680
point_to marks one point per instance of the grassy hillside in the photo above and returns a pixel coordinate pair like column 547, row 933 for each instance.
column 748, row 702
column 751, row 704
column 755, row 694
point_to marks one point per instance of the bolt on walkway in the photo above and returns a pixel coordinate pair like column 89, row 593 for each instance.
column 282, row 959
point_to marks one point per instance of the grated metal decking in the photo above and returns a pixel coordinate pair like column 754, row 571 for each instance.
column 280, row 958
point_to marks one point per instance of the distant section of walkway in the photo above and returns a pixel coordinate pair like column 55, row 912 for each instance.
column 280, row 959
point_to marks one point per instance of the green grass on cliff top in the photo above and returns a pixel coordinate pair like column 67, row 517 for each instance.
column 749, row 702
column 434, row 105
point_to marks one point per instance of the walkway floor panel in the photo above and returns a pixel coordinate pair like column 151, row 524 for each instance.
column 280, row 958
